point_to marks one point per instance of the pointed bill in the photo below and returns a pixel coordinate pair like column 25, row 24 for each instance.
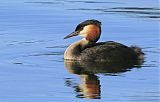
column 72, row 34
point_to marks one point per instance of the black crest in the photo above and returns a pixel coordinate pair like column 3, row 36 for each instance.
column 87, row 22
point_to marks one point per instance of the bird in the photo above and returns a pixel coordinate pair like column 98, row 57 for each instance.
column 87, row 49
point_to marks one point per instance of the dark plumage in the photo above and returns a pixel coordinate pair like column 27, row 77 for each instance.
column 111, row 51
column 87, row 22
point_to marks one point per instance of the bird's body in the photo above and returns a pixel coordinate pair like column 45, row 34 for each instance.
column 88, row 50
column 111, row 51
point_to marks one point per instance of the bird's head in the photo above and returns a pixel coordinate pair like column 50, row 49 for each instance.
column 90, row 29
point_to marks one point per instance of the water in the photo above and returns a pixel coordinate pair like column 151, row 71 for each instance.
column 32, row 68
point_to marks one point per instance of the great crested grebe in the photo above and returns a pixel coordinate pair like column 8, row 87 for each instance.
column 88, row 50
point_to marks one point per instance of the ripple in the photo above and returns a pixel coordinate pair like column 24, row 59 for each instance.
column 148, row 47
column 26, row 42
column 2, row 33
column 96, row 2
column 62, row 60
column 149, row 96
column 149, row 65
column 47, row 54
column 17, row 63
column 135, row 11
column 34, row 41
column 136, row 8
column 150, row 17
column 59, row 46
column 43, row 2
column 156, row 52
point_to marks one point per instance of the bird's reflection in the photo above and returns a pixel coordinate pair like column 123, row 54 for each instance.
column 90, row 84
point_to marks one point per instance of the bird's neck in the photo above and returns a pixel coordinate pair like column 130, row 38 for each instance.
column 73, row 52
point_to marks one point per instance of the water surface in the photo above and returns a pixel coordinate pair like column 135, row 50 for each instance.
column 32, row 68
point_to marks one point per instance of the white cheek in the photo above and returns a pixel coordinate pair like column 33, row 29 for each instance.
column 83, row 33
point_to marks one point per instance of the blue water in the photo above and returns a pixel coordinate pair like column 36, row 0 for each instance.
column 32, row 68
